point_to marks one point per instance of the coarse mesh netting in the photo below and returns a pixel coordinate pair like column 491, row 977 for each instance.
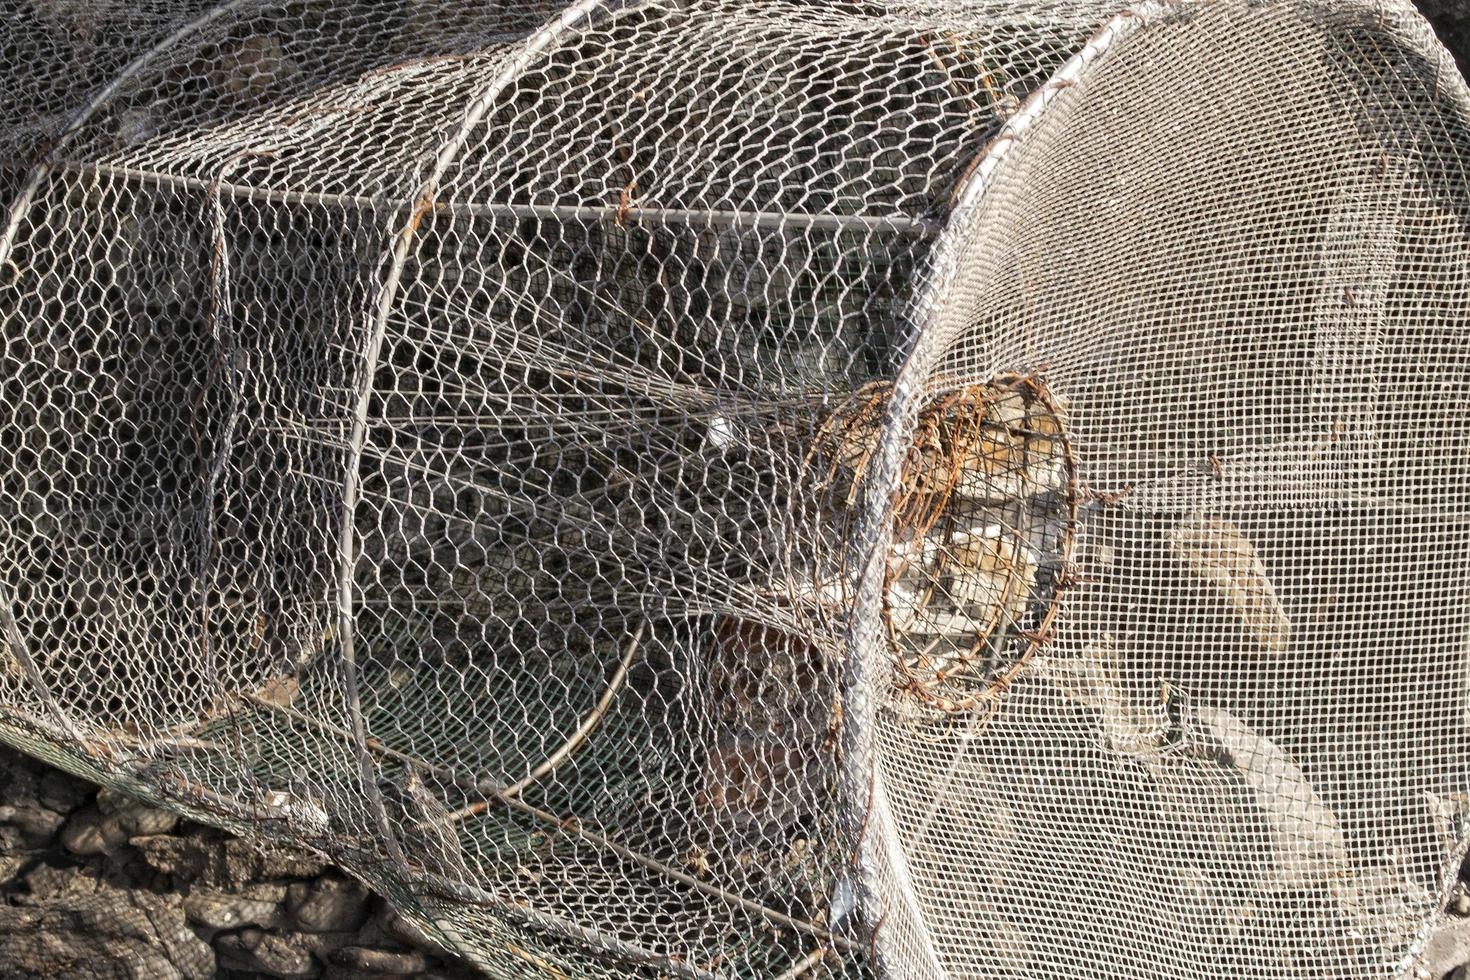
column 753, row 488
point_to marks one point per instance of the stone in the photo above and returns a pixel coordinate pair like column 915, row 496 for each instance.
column 110, row 800
column 101, row 932
column 89, row 832
column 219, row 910
column 18, row 775
column 47, row 880
column 275, row 860
column 37, row 825
column 265, row 891
column 405, row 931
column 177, row 857
column 330, row 903
column 381, row 961
column 190, row 954
column 61, row 792
column 1448, row 949
column 141, row 895
column 334, row 972
column 271, row 953
column 19, row 918
column 137, row 820
column 48, row 952
column 208, row 857
column 10, row 865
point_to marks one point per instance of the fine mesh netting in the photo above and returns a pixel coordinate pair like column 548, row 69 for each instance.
column 759, row 488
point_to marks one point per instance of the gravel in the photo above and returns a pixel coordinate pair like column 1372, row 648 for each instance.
column 94, row 884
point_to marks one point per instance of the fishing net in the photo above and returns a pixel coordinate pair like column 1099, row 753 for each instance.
column 751, row 488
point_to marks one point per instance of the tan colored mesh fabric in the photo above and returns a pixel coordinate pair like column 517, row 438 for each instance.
column 719, row 488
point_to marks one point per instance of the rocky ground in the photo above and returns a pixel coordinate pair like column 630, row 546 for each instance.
column 1451, row 19
column 93, row 885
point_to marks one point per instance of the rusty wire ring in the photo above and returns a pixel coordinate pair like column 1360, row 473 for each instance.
column 916, row 509
column 908, row 681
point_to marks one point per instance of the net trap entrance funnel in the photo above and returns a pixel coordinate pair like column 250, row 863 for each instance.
column 770, row 488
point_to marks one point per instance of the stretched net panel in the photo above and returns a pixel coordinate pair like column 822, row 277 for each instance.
column 767, row 488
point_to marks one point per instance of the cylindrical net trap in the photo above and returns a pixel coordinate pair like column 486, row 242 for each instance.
column 741, row 489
